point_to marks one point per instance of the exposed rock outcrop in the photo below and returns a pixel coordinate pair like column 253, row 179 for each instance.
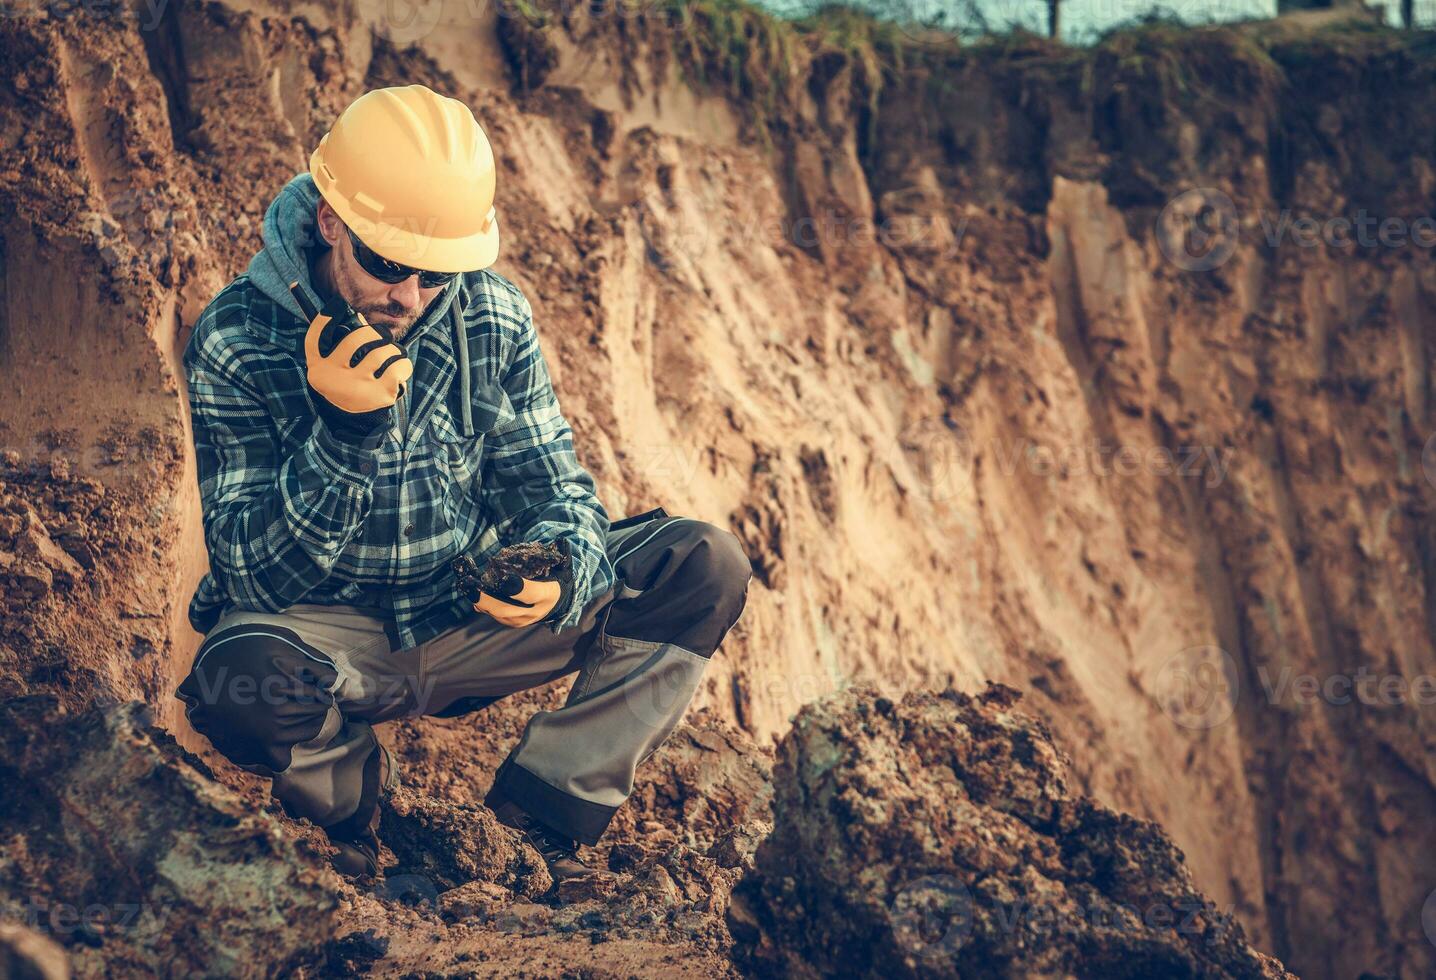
column 939, row 836
column 120, row 845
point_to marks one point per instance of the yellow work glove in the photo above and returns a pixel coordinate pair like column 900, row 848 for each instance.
column 537, row 597
column 358, row 380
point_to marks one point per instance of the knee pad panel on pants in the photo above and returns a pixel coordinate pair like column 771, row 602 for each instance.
column 694, row 578
column 257, row 691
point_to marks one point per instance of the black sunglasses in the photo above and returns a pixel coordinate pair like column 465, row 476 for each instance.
column 392, row 272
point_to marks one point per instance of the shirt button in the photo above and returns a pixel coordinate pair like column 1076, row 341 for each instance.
column 366, row 468
column 408, row 530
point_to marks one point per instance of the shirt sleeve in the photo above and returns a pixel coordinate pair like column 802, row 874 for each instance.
column 533, row 482
column 274, row 525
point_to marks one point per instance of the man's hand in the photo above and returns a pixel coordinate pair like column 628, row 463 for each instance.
column 358, row 378
column 539, row 598
column 362, row 373
column 521, row 584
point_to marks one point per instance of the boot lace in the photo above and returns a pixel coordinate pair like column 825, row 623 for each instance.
column 549, row 842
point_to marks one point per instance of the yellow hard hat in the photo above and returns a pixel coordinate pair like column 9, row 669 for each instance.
column 412, row 172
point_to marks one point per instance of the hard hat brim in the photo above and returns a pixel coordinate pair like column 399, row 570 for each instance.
column 407, row 245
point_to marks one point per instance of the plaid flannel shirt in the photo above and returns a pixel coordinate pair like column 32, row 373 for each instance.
column 292, row 514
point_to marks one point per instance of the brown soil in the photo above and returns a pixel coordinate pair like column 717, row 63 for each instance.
column 1011, row 439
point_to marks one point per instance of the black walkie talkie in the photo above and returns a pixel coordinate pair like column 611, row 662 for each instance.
column 341, row 321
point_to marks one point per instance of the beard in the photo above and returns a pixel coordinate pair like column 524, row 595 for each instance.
column 398, row 319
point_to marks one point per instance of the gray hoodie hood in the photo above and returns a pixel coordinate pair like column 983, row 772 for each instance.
column 290, row 230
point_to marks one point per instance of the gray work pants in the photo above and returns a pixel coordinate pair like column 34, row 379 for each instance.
column 294, row 695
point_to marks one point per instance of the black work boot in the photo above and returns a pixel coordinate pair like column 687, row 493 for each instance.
column 359, row 843
column 356, row 857
column 560, row 853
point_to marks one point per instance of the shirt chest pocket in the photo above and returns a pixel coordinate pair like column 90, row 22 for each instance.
column 460, row 456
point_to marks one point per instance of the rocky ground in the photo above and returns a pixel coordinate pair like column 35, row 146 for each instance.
column 1087, row 418
column 936, row 836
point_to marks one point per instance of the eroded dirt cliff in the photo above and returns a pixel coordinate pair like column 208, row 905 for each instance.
column 925, row 331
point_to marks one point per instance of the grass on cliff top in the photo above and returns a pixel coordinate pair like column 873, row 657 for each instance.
column 1349, row 40
column 738, row 47
column 754, row 53
column 753, row 56
column 1199, row 61
column 1194, row 64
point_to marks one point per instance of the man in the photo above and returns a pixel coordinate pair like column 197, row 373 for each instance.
column 339, row 485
